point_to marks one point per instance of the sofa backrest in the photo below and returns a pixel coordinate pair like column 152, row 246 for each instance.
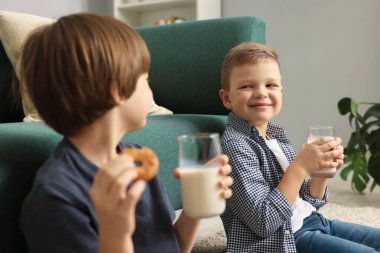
column 186, row 62
column 187, row 58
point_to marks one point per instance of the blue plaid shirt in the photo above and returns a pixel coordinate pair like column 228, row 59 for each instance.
column 258, row 216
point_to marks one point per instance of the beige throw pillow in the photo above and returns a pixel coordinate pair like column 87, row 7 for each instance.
column 158, row 110
column 14, row 29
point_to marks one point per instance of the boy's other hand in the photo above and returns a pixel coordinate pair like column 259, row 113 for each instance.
column 226, row 182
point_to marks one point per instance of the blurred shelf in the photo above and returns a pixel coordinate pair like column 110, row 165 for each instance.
column 155, row 5
column 148, row 12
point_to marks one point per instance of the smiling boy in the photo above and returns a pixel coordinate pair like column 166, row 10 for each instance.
column 274, row 206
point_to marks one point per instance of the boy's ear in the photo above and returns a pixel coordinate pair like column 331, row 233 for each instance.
column 115, row 94
column 224, row 96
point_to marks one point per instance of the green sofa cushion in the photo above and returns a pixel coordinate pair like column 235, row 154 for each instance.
column 187, row 57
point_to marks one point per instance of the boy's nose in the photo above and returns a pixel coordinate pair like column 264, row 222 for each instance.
column 260, row 91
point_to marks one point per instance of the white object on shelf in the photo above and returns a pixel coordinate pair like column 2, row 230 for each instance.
column 133, row 1
column 146, row 12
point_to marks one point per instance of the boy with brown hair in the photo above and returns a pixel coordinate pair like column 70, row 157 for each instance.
column 274, row 206
column 87, row 76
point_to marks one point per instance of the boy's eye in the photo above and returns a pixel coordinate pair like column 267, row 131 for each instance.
column 272, row 85
column 244, row 86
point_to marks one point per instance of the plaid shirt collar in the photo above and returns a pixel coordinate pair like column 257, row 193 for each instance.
column 274, row 131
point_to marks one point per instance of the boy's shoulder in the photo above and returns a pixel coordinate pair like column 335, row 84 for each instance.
column 231, row 133
column 235, row 140
column 67, row 165
column 236, row 128
column 66, row 169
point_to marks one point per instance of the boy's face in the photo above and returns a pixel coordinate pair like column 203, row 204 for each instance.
column 255, row 93
column 138, row 104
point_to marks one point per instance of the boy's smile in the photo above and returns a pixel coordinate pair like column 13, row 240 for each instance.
column 255, row 93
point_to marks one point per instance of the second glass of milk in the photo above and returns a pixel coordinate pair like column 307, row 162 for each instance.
column 315, row 133
column 199, row 174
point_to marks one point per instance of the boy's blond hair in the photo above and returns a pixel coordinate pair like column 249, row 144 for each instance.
column 242, row 54
column 70, row 66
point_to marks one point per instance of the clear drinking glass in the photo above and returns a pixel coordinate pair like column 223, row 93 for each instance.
column 315, row 133
column 199, row 174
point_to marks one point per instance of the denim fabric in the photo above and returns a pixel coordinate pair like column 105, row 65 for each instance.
column 319, row 234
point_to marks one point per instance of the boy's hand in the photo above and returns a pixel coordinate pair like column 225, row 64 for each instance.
column 225, row 169
column 324, row 153
column 113, row 203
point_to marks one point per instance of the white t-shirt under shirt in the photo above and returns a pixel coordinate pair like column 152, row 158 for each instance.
column 301, row 208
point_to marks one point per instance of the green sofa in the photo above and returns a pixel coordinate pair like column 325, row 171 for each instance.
column 185, row 78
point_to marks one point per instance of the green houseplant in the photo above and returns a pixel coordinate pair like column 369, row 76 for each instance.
column 362, row 153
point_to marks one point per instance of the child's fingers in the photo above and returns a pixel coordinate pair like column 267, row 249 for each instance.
column 226, row 182
column 118, row 186
column 338, row 152
column 328, row 164
column 340, row 163
column 176, row 173
column 225, row 170
column 133, row 195
column 223, row 159
column 218, row 160
column 119, row 163
column 226, row 194
column 331, row 145
column 108, row 171
column 334, row 154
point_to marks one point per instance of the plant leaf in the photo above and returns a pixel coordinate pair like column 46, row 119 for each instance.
column 354, row 108
column 352, row 142
column 370, row 124
column 350, row 118
column 374, row 167
column 373, row 111
column 344, row 105
column 346, row 171
column 359, row 178
column 373, row 138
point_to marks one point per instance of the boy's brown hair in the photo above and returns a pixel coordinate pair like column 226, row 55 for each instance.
column 70, row 66
column 244, row 53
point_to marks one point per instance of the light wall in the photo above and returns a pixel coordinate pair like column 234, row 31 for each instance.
column 57, row 8
column 329, row 49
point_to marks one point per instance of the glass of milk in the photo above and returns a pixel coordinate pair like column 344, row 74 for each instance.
column 199, row 174
column 315, row 133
